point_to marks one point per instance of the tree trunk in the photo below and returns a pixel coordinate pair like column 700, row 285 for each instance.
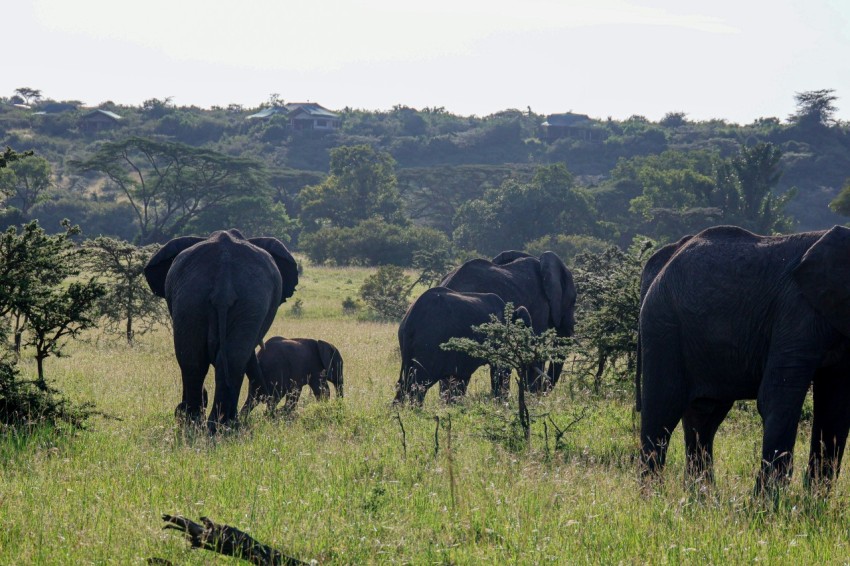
column 597, row 379
column 40, row 382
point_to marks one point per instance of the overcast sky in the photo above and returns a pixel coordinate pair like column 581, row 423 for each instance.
column 733, row 59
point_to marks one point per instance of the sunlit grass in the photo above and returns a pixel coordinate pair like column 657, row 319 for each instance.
column 335, row 482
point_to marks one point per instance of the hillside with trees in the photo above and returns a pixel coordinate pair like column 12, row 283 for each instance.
column 376, row 187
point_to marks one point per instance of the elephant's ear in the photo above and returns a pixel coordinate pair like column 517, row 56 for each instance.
column 509, row 256
column 559, row 287
column 327, row 353
column 824, row 277
column 521, row 313
column 157, row 268
column 284, row 261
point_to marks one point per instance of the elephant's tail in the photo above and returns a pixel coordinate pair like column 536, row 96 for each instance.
column 221, row 357
column 637, row 376
column 222, row 298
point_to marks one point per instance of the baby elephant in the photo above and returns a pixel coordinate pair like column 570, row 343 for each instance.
column 288, row 364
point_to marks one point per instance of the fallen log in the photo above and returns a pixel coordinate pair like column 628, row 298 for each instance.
column 229, row 541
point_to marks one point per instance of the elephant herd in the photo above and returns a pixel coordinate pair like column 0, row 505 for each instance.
column 725, row 315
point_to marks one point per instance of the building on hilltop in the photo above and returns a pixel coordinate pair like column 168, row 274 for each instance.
column 302, row 116
column 98, row 119
column 570, row 125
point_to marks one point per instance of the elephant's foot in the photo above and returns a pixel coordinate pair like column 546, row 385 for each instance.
column 771, row 479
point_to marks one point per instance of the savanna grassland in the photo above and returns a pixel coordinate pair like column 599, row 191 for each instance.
column 338, row 482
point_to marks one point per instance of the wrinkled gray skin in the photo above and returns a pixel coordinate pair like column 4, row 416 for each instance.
column 544, row 286
column 650, row 270
column 732, row 315
column 222, row 293
column 436, row 316
column 288, row 364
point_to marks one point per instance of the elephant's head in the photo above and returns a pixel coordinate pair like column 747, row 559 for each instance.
column 823, row 276
column 560, row 291
column 332, row 362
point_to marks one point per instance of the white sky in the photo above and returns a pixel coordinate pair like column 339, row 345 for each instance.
column 732, row 59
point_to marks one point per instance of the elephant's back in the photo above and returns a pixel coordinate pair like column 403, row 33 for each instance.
column 438, row 307
column 226, row 266
column 513, row 282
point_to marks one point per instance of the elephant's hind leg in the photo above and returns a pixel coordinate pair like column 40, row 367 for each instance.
column 254, row 394
column 831, row 393
column 664, row 398
column 700, row 423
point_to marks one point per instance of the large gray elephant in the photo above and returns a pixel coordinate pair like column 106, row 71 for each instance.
column 732, row 315
column 288, row 364
column 222, row 293
column 436, row 316
column 544, row 286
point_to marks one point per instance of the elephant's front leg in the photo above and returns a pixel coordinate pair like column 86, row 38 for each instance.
column 319, row 386
column 453, row 387
column 291, row 399
column 831, row 395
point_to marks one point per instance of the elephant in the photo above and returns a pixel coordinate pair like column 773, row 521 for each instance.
column 288, row 364
column 436, row 316
column 732, row 315
column 222, row 294
column 544, row 286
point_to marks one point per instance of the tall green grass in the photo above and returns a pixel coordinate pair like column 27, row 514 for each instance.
column 335, row 483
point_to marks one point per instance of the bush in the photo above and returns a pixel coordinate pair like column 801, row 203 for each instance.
column 386, row 292
column 350, row 306
column 372, row 242
column 24, row 404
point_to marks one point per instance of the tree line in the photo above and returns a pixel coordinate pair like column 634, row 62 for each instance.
column 423, row 176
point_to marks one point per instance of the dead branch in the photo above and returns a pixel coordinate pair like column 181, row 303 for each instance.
column 229, row 541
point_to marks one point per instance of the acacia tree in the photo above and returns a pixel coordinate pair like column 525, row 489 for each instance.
column 609, row 306
column 814, row 107
column 127, row 301
column 169, row 184
column 28, row 94
column 25, row 181
column 509, row 343
column 9, row 155
column 41, row 290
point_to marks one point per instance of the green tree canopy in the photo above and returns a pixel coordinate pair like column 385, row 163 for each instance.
column 127, row 301
column 25, row 182
column 362, row 184
column 684, row 192
column 515, row 213
column 170, row 184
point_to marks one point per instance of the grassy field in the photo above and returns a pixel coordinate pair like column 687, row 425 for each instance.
column 339, row 483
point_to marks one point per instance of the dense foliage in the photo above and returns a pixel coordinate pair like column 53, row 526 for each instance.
column 365, row 192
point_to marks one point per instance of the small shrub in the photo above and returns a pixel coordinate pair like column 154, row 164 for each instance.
column 386, row 292
column 350, row 306
column 297, row 308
